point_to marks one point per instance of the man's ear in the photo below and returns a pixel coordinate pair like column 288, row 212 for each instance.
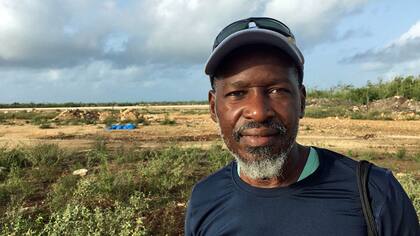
column 212, row 103
column 302, row 91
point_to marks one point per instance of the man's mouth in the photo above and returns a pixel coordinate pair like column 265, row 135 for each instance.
column 255, row 137
column 259, row 134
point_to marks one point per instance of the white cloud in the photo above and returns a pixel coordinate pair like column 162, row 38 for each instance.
column 68, row 33
column 399, row 57
column 312, row 21
column 412, row 34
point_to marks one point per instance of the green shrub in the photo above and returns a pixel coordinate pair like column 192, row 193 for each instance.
column 416, row 156
column 167, row 121
column 77, row 219
column 62, row 191
column 13, row 158
column 14, row 189
column 126, row 191
column 401, row 153
column 408, row 87
column 45, row 125
column 46, row 155
column 110, row 121
column 411, row 186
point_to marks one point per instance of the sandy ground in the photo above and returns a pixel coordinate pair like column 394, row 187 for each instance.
column 199, row 130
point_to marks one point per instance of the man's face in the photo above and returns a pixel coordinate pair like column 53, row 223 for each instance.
column 257, row 104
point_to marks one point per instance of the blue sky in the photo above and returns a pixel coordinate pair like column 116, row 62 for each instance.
column 105, row 51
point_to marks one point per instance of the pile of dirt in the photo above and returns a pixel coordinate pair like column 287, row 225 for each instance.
column 135, row 115
column 403, row 115
column 105, row 116
column 395, row 104
column 129, row 115
column 154, row 117
column 77, row 114
column 322, row 102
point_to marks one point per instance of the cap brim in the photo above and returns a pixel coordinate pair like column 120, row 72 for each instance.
column 252, row 36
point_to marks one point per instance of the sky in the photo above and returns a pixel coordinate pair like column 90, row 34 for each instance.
column 148, row 50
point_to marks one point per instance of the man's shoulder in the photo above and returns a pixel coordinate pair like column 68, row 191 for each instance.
column 380, row 182
column 378, row 175
column 213, row 186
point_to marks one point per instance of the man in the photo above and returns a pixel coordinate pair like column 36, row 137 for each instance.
column 277, row 186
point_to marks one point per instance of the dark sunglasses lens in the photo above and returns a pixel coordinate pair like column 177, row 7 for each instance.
column 264, row 23
column 273, row 25
column 230, row 29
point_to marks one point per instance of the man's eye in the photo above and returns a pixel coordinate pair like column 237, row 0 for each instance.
column 279, row 91
column 236, row 94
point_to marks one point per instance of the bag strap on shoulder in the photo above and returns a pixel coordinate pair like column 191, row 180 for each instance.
column 362, row 173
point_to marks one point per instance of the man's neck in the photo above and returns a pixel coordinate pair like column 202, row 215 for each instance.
column 291, row 171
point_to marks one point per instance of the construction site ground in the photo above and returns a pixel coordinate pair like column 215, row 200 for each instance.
column 197, row 129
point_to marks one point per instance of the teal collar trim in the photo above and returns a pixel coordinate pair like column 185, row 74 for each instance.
column 311, row 165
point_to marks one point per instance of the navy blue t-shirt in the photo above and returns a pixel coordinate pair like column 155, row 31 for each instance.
column 325, row 203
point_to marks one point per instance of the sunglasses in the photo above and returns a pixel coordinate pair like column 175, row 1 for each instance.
column 260, row 22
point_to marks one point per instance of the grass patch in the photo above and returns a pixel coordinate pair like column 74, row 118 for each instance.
column 401, row 153
column 127, row 191
column 167, row 121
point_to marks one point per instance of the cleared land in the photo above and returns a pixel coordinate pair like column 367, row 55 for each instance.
column 193, row 127
column 138, row 181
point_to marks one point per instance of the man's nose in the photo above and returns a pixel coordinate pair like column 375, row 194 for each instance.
column 258, row 107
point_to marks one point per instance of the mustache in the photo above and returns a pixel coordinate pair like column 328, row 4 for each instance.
column 271, row 124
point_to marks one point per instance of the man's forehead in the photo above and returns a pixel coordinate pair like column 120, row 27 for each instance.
column 268, row 81
column 250, row 56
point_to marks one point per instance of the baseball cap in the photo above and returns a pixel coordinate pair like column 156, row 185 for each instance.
column 254, row 30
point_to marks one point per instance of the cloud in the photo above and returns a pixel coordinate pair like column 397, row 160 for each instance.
column 313, row 22
column 404, row 49
column 68, row 33
column 55, row 34
column 77, row 47
column 397, row 58
column 101, row 81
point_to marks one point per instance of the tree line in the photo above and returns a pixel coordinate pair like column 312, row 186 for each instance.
column 407, row 87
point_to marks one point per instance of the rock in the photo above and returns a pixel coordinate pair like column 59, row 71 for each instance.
column 80, row 172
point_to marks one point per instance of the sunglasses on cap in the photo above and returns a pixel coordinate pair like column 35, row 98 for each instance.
column 260, row 22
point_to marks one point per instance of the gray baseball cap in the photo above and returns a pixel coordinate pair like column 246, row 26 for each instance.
column 254, row 30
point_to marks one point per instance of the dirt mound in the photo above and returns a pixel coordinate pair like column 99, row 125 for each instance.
column 322, row 102
column 77, row 115
column 105, row 116
column 135, row 115
column 395, row 104
column 154, row 117
column 129, row 115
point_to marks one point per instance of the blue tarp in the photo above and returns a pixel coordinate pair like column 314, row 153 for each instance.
column 124, row 126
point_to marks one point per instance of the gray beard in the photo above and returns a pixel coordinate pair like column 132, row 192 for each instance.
column 265, row 164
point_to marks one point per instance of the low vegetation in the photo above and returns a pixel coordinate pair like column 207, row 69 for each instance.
column 408, row 87
column 126, row 191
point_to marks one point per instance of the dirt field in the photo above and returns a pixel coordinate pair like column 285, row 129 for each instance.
column 197, row 129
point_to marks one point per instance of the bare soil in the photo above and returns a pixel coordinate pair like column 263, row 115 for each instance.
column 199, row 130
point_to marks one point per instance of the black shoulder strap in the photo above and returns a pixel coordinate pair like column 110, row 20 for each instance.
column 362, row 173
